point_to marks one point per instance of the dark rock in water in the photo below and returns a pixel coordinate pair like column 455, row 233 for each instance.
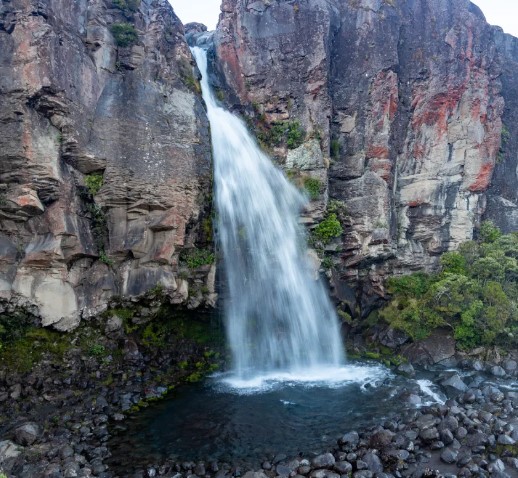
column 406, row 369
column 351, row 438
column 414, row 399
column 510, row 366
column 498, row 371
column 283, row 470
column 478, row 366
column 279, row 457
column 27, row 434
column 322, row 461
column 454, row 384
column 392, row 338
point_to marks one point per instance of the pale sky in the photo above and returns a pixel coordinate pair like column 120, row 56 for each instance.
column 498, row 12
column 503, row 13
column 202, row 11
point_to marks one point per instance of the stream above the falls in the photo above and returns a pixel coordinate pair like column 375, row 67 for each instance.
column 225, row 420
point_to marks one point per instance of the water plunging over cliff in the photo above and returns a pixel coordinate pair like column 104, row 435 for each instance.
column 280, row 321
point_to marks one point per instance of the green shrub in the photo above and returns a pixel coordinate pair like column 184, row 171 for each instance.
column 94, row 183
column 195, row 258
column 295, row 135
column 127, row 5
column 313, row 186
column 475, row 293
column 328, row 229
column 489, row 232
column 97, row 350
column 124, row 34
column 290, row 133
column 105, row 259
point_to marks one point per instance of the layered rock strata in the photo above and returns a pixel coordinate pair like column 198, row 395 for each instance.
column 404, row 101
column 104, row 157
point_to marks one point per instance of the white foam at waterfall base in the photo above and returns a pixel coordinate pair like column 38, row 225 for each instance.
column 280, row 323
column 332, row 377
column 427, row 387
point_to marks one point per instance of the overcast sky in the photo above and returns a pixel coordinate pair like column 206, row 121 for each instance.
column 503, row 13
column 498, row 12
column 202, row 11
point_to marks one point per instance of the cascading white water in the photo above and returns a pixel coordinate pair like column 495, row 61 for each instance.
column 279, row 319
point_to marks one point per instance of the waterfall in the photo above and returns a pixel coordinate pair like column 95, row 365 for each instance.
column 279, row 318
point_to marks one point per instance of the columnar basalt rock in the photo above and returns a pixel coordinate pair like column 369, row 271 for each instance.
column 502, row 205
column 97, row 87
column 406, row 100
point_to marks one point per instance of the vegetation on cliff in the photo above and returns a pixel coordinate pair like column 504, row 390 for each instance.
column 475, row 293
column 125, row 34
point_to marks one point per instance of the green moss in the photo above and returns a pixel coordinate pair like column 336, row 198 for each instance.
column 328, row 229
column 195, row 258
column 313, row 186
column 194, row 377
column 220, row 94
column 125, row 34
column 22, row 353
column 335, row 149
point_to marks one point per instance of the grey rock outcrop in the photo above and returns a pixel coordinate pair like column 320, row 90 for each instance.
column 78, row 99
column 406, row 102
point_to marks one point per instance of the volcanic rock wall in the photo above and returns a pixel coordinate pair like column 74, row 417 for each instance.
column 404, row 98
column 76, row 101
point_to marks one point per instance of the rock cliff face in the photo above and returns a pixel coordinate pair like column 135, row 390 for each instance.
column 404, row 101
column 502, row 206
column 98, row 92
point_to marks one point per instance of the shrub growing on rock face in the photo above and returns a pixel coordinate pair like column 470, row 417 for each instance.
column 94, row 183
column 328, row 229
column 476, row 293
column 195, row 258
column 290, row 133
column 313, row 186
column 127, row 5
column 124, row 34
